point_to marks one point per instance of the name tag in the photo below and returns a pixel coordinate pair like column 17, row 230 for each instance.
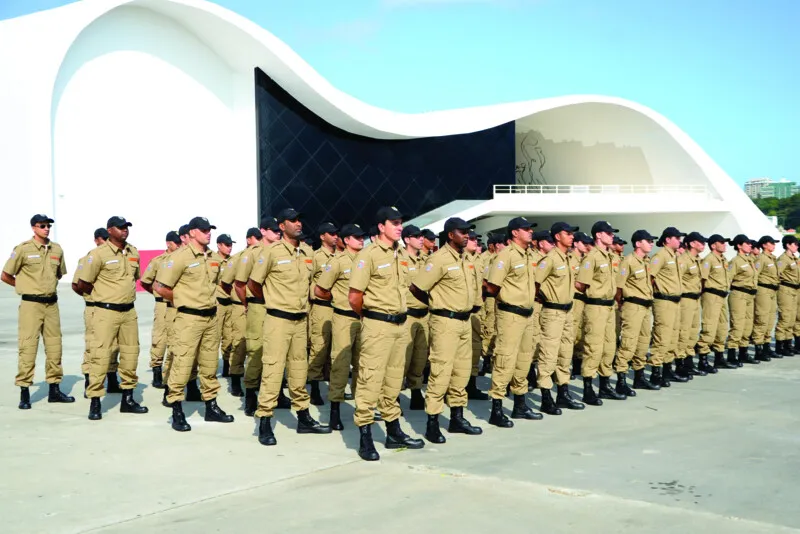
column 671, row 262
column 561, row 267
column 346, row 271
column 639, row 271
column 693, row 267
column 718, row 266
column 604, row 265
column 518, row 266
column 109, row 262
column 283, row 262
column 195, row 264
column 34, row 256
column 385, row 265
column 745, row 267
column 453, row 268
column 412, row 268
column 771, row 265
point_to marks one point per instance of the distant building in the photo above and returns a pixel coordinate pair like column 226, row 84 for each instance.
column 752, row 188
column 769, row 188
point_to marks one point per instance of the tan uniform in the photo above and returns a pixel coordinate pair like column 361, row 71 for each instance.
column 256, row 312
column 536, row 257
column 489, row 322
column 667, row 290
column 88, row 316
column 716, row 284
column 599, row 344
column 615, row 263
column 113, row 272
column 789, row 275
column 636, row 313
column 417, row 324
column 448, row 279
column 193, row 275
column 556, row 278
column 766, row 302
column 284, row 273
column 158, row 338
column 690, row 305
column 320, row 319
column 238, row 319
column 37, row 268
column 475, row 275
column 512, row 272
column 577, row 308
column 741, row 300
column 224, row 311
column 383, row 279
column 169, row 320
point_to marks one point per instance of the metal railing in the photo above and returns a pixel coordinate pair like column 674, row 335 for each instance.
column 600, row 189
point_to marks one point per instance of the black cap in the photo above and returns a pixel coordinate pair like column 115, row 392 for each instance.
column 288, row 214
column 520, row 222
column 455, row 223
column 581, row 237
column 428, row 234
column 740, row 239
column 172, row 236
column 716, row 238
column 101, row 232
column 671, row 231
column 695, row 236
column 269, row 223
column 201, row 223
column 642, row 235
column 754, row 243
column 474, row 235
column 183, row 230
column 373, row 230
column 562, row 227
column 411, row 231
column 788, row 239
column 353, row 230
column 254, row 232
column 327, row 228
column 544, row 235
column 387, row 213
column 603, row 226
column 619, row 241
column 41, row 218
column 117, row 222
column 225, row 239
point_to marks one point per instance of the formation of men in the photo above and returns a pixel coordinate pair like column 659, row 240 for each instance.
column 538, row 308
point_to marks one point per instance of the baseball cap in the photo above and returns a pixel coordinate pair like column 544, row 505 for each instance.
column 740, row 239
column 716, row 238
column 41, row 218
column 642, row 235
column 101, row 232
column 287, row 214
column 387, row 213
column 671, row 231
column 201, row 223
column 583, row 238
column 788, row 239
column 561, row 227
column 603, row 226
column 327, row 228
column 254, row 232
column 172, row 236
column 373, row 230
column 520, row 222
column 456, row 223
column 754, row 243
column 428, row 234
column 269, row 223
column 183, row 230
column 411, row 231
column 225, row 239
column 695, row 236
column 117, row 222
column 619, row 241
column 474, row 235
column 543, row 235
column 355, row 230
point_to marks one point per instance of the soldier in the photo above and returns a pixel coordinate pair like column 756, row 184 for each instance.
column 110, row 275
column 321, row 315
column 691, row 281
column 224, row 303
column 741, row 302
column 617, row 252
column 281, row 277
column 334, row 285
column 555, row 287
column 488, row 323
column 417, row 321
column 34, row 269
column 238, row 319
column 475, row 274
column 428, row 244
column 378, row 294
column 789, row 276
column 714, row 303
column 766, row 302
column 512, row 282
column 447, row 285
column 635, row 300
column 537, row 253
column 582, row 245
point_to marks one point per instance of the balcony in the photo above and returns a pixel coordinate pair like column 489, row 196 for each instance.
column 602, row 189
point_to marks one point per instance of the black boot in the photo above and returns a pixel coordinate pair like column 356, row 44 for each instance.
column 215, row 414
column 565, row 400
column 128, row 405
column 179, row 423
column 432, row 431
column 94, row 409
column 548, row 404
column 532, row 377
column 193, row 392
column 284, row 402
column 622, row 386
column 250, row 402
column 681, row 371
column 459, row 424
column 417, row 400
column 731, row 360
column 576, row 368
column 486, row 366
column 523, row 411
column 744, row 355
column 112, row 383
column 473, row 393
column 226, row 368
column 692, row 369
column 164, row 401
column 787, row 348
column 56, row 395
column 704, row 366
column 308, row 425
column 236, row 386
column 607, row 392
column 796, row 348
column 366, row 447
column 24, row 398
column 720, row 362
column 335, row 417
column 767, row 350
column 589, row 396
column 85, row 385
column 640, row 381
column 265, row 434
column 316, row 396
column 158, row 378
column 671, row 376
column 397, row 439
column 657, row 377
column 497, row 417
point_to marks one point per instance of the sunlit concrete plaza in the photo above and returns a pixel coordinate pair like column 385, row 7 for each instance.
column 719, row 454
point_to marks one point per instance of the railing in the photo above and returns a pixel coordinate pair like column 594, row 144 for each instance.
column 603, row 189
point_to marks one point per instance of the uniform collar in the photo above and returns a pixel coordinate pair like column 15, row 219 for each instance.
column 114, row 248
column 291, row 248
column 40, row 245
column 386, row 247
column 518, row 248
column 451, row 250
column 195, row 251
column 560, row 254
column 351, row 255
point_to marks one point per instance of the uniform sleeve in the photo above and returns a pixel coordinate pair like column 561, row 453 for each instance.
column 430, row 274
column 171, row 272
column 361, row 272
column 329, row 275
column 545, row 267
column 499, row 270
column 624, row 272
column 137, row 272
column 705, row 268
column 656, row 264
column 229, row 275
column 261, row 267
column 781, row 266
column 14, row 263
column 92, row 267
column 586, row 271
column 244, row 266
column 152, row 269
column 75, row 277
column 63, row 267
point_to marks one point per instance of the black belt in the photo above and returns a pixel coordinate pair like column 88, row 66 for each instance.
column 320, row 302
column 641, row 302
column 773, row 287
column 159, row 299
column 114, row 307
column 418, row 313
column 693, row 296
column 788, row 284
column 598, row 302
column 461, row 316
column 346, row 313
column 717, row 292
column 224, row 301
column 208, row 312
column 237, row 302
column 556, row 306
column 579, row 296
column 254, row 300
column 41, row 299
column 90, row 304
column 399, row 318
column 486, row 295
column 475, row 309
column 671, row 298
column 289, row 316
column 744, row 290
column 518, row 310
column 169, row 304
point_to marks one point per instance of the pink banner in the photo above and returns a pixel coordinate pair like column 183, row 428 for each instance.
column 144, row 260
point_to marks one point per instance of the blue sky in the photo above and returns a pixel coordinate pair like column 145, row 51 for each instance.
column 725, row 71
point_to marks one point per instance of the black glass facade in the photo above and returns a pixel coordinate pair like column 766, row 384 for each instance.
column 332, row 175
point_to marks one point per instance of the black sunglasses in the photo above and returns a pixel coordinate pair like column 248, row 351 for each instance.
column 44, row 225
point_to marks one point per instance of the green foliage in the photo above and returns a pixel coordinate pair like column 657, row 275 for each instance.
column 787, row 209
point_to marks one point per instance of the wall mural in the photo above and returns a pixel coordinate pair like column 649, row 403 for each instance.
column 530, row 171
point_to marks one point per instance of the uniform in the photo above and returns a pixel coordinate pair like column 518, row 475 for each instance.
column 158, row 339
column 417, row 325
column 741, row 301
column 224, row 313
column 475, row 275
column 789, row 276
column 489, row 321
column 320, row 323
column 766, row 304
column 238, row 320
column 636, row 316
column 577, row 316
column 691, row 283
column 255, row 313
column 667, row 290
column 714, row 304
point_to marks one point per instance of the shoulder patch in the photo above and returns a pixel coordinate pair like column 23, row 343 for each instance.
column 360, row 264
column 261, row 259
column 170, row 264
column 500, row 264
column 654, row 261
column 328, row 267
column 89, row 259
column 244, row 259
column 705, row 265
column 542, row 264
column 13, row 254
column 623, row 271
column 428, row 267
column 587, row 265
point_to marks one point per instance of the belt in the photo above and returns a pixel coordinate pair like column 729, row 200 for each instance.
column 320, row 302
column 671, row 298
column 476, row 309
column 237, row 302
column 486, row 294
column 208, row 312
column 90, row 304
column 224, row 301
column 598, row 302
column 717, row 292
column 518, row 310
column 159, row 299
column 579, row 296
column 556, row 306
column 289, row 316
column 399, row 318
column 253, row 300
column 641, row 302
column 773, row 287
column 461, row 316
column 41, row 299
column 346, row 313
column 693, row 296
column 169, row 304
column 114, row 307
column 744, row 290
column 789, row 284
column 418, row 313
